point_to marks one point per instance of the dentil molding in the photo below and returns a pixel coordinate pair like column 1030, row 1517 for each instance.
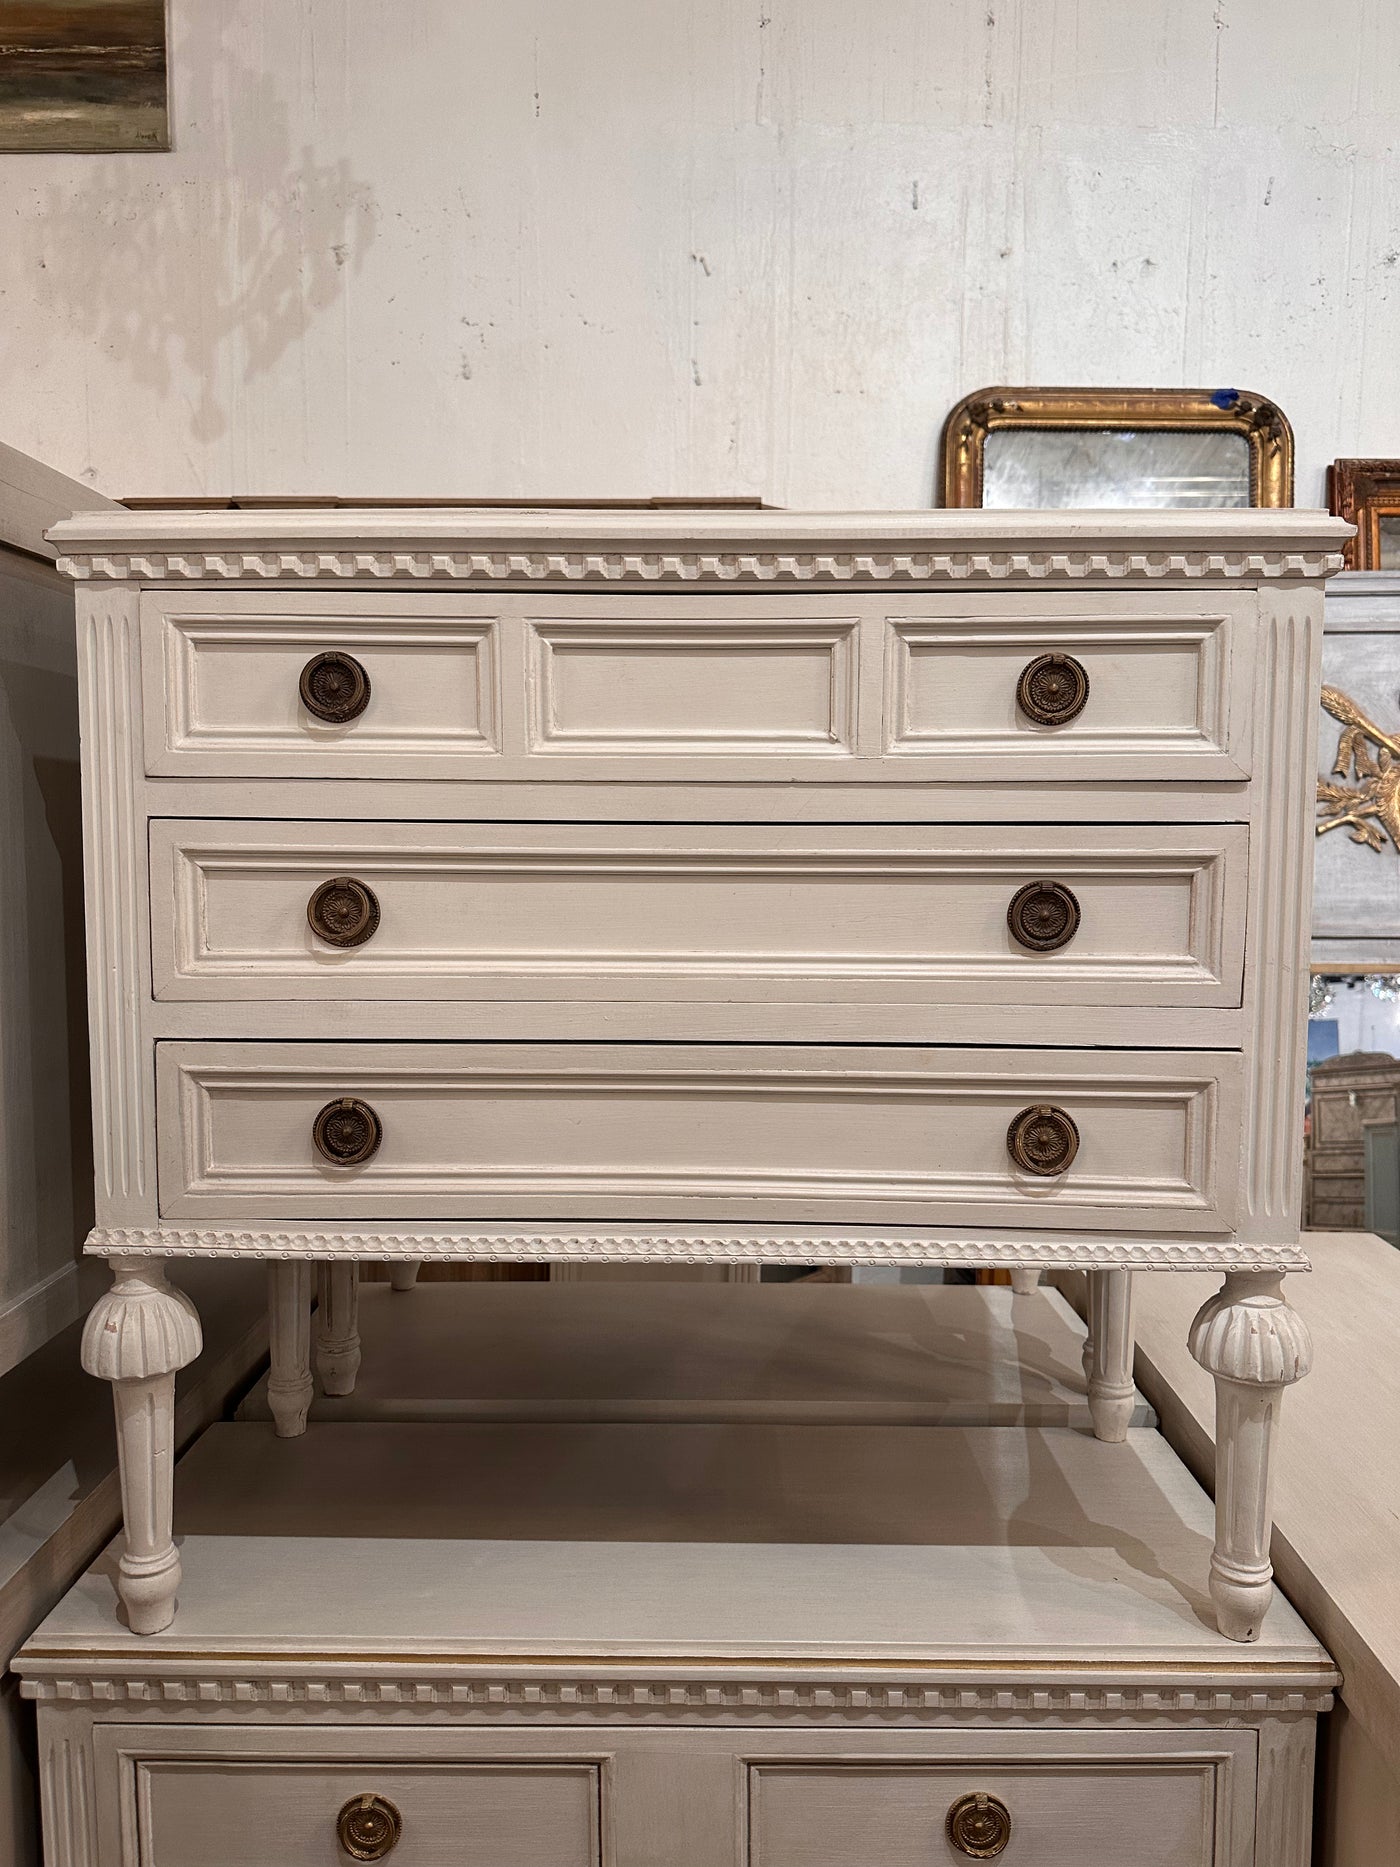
column 684, row 567
column 654, row 1697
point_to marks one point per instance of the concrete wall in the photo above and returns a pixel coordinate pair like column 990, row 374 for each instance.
column 702, row 246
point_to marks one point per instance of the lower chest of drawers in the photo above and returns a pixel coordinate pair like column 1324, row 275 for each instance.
column 185, row 1796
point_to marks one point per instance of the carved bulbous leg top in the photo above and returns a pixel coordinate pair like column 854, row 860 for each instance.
column 142, row 1326
column 139, row 1334
column 1249, row 1332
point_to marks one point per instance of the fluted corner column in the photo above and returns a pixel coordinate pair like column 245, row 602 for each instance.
column 1254, row 1345
column 338, row 1327
column 140, row 1333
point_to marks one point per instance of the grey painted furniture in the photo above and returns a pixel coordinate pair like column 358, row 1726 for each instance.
column 895, row 887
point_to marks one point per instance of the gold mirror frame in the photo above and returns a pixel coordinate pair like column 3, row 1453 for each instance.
column 1364, row 491
column 1262, row 423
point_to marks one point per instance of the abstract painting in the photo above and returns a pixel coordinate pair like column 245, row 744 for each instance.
column 83, row 76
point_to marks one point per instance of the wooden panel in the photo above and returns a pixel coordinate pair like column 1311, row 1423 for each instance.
column 221, row 674
column 283, row 1813
column 1064, row 1811
column 1160, row 688
column 712, row 1132
column 718, row 680
column 770, row 913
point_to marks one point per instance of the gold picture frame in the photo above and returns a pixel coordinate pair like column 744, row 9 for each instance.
column 1124, row 412
column 1367, row 492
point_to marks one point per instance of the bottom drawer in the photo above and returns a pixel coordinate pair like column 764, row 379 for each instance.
column 289, row 1814
column 789, row 1133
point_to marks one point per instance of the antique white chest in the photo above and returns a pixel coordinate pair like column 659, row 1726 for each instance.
column 891, row 887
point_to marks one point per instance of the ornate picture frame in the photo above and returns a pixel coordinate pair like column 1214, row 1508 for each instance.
column 1262, row 425
column 1367, row 492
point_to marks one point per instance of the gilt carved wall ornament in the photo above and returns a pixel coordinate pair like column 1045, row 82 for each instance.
column 1370, row 803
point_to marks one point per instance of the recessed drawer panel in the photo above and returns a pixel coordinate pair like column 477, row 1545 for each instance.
column 287, row 1814
column 1140, row 915
column 711, row 681
column 803, row 1134
column 314, row 685
column 1059, row 1812
column 1131, row 690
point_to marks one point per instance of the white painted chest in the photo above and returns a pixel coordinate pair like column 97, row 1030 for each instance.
column 894, row 887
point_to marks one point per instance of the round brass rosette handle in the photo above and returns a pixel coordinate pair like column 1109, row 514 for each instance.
column 979, row 1825
column 334, row 687
column 343, row 912
column 1052, row 690
column 368, row 1827
column 347, row 1132
column 1043, row 916
column 1042, row 1140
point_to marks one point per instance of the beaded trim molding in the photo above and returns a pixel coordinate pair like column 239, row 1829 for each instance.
column 1081, row 1253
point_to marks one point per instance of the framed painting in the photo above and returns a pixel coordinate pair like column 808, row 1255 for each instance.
column 1038, row 449
column 84, row 77
column 1368, row 493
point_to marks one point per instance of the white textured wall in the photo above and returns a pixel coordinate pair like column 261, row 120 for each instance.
column 637, row 246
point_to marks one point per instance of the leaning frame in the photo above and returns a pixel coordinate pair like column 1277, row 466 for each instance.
column 1235, row 411
column 1364, row 491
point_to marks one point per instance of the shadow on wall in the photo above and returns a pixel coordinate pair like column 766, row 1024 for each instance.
column 201, row 268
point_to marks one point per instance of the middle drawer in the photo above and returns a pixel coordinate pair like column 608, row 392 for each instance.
column 1129, row 915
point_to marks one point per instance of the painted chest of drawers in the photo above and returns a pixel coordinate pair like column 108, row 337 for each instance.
column 897, row 887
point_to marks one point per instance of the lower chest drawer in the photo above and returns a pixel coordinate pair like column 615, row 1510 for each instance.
column 1101, row 1810
column 773, row 1133
column 285, row 1813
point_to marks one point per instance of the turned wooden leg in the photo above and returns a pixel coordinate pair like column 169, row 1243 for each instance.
column 1254, row 1345
column 1025, row 1280
column 404, row 1276
column 289, row 1384
column 1109, row 1353
column 337, row 1327
column 139, row 1334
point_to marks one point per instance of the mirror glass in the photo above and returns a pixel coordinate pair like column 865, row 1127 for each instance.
column 1048, row 468
column 1388, row 526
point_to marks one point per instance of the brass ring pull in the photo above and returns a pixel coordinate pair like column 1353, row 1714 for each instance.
column 343, row 912
column 979, row 1825
column 1042, row 1140
column 334, row 687
column 1052, row 690
column 347, row 1132
column 368, row 1827
column 1043, row 916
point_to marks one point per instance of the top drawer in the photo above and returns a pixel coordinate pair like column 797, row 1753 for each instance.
column 866, row 687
